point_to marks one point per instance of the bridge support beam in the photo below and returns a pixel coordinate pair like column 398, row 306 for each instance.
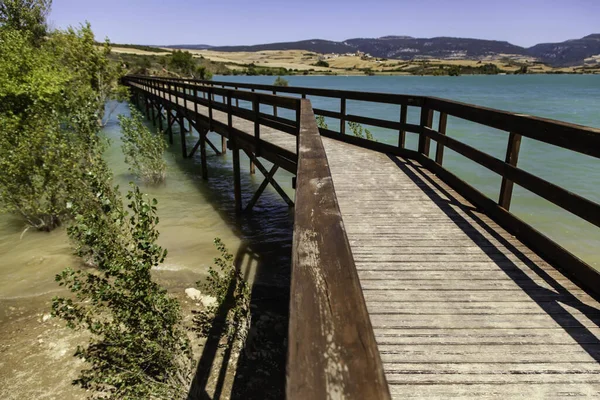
column 237, row 181
column 269, row 178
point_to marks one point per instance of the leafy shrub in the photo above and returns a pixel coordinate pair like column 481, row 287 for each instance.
column 231, row 292
column 281, row 82
column 322, row 63
column 358, row 131
column 138, row 348
column 321, row 122
column 143, row 150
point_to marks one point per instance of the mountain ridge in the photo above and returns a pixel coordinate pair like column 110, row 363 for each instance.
column 568, row 52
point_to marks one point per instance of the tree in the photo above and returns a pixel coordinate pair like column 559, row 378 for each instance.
column 25, row 16
column 52, row 95
column 143, row 150
column 280, row 82
column 322, row 63
column 182, row 61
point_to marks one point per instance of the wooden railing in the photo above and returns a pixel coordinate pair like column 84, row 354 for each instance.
column 568, row 136
column 325, row 290
column 332, row 351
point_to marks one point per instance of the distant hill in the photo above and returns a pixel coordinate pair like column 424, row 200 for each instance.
column 570, row 52
column 190, row 46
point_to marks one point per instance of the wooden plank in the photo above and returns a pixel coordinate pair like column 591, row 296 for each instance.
column 332, row 351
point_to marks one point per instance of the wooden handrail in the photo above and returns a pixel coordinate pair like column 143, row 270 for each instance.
column 332, row 351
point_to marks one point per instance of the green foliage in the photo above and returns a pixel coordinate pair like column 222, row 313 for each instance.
column 281, row 82
column 182, row 61
column 52, row 96
column 522, row 70
column 143, row 150
column 322, row 63
column 138, row 349
column 321, row 122
column 231, row 292
column 25, row 16
column 454, row 70
column 358, row 131
column 203, row 73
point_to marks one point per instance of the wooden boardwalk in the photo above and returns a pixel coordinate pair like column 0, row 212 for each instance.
column 458, row 306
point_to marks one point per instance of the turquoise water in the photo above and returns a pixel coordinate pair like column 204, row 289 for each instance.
column 571, row 98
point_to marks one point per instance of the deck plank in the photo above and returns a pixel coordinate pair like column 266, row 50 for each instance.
column 460, row 308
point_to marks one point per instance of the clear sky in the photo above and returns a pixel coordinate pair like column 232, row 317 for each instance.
column 235, row 22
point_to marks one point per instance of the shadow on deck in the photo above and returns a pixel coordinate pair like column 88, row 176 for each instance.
column 551, row 301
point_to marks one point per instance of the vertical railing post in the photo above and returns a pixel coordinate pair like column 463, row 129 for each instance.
column 403, row 116
column 343, row 115
column 274, row 106
column 256, row 109
column 426, row 122
column 512, row 158
column 298, row 127
column 210, row 110
column 439, row 151
column 237, row 99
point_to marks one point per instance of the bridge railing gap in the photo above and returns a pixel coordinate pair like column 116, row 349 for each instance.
column 310, row 164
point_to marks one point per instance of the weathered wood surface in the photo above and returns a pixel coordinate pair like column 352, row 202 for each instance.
column 460, row 308
column 332, row 353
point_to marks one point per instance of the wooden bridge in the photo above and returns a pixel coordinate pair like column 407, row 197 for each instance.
column 407, row 282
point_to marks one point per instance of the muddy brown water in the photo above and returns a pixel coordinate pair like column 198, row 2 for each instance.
column 36, row 355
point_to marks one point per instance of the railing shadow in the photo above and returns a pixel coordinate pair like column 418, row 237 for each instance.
column 264, row 257
column 550, row 301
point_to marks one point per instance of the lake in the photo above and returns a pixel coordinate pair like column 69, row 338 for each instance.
column 571, row 98
column 193, row 212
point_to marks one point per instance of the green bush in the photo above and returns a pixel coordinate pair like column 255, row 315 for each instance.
column 227, row 285
column 280, row 82
column 322, row 63
column 358, row 131
column 321, row 122
column 143, row 150
column 138, row 349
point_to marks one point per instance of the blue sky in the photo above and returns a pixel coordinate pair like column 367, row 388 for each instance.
column 231, row 22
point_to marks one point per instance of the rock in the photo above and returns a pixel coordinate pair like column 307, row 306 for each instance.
column 46, row 317
column 208, row 301
column 193, row 293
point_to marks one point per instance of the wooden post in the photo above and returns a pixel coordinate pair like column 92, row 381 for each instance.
column 512, row 157
column 426, row 122
column 439, row 151
column 274, row 107
column 160, row 122
column 252, row 167
column 203, row 133
column 403, row 115
column 152, row 110
column 343, row 116
column 210, row 109
column 237, row 183
column 256, row 109
column 237, row 99
column 183, row 143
